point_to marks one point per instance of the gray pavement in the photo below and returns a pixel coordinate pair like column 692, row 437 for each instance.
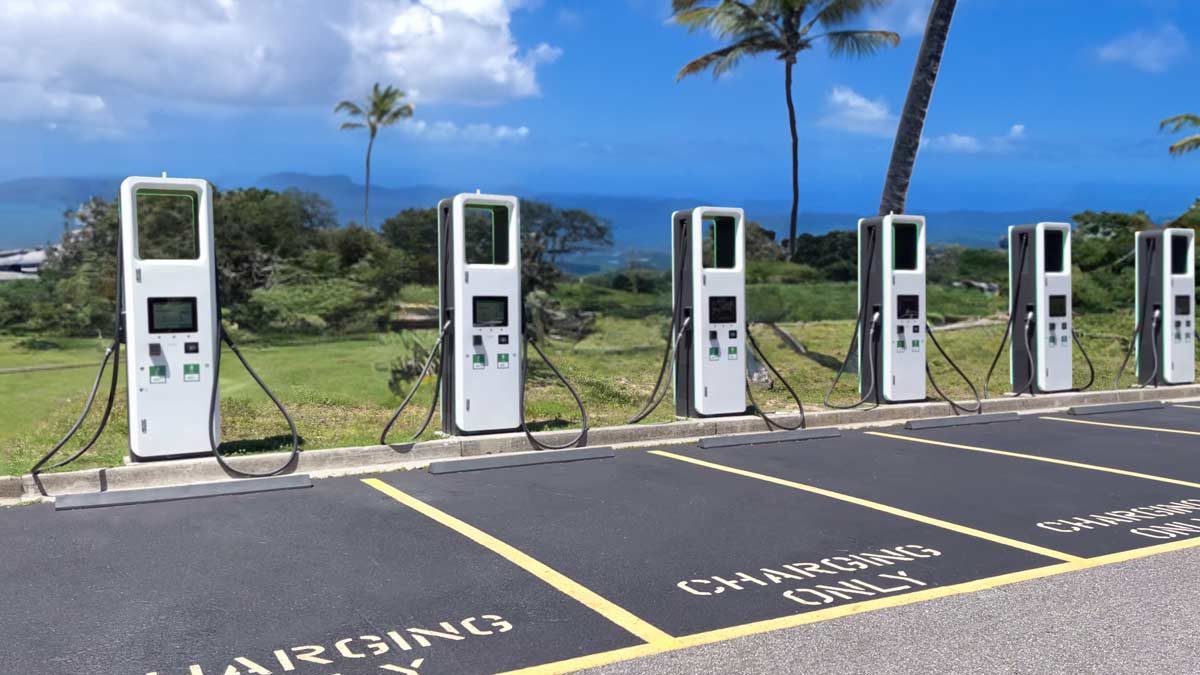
column 1133, row 617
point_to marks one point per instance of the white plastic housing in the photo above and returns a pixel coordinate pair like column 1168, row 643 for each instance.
column 487, row 390
column 1054, row 344
column 903, row 341
column 719, row 348
column 1178, row 329
column 168, row 410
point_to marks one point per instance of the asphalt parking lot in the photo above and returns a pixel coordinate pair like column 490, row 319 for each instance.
column 558, row 567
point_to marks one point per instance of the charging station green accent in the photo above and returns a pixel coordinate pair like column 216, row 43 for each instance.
column 478, row 361
column 191, row 372
column 733, row 353
column 158, row 374
column 714, row 353
column 502, row 360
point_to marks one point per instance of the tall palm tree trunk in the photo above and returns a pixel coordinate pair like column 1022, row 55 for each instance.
column 916, row 105
column 787, row 69
column 367, row 187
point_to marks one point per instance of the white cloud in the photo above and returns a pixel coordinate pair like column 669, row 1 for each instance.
column 440, row 132
column 906, row 17
column 972, row 145
column 851, row 111
column 110, row 63
column 1151, row 51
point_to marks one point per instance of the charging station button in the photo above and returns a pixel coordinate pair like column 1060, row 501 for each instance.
column 502, row 360
column 191, row 348
column 479, row 361
column 733, row 353
column 714, row 353
column 158, row 374
column 191, row 372
column 503, row 339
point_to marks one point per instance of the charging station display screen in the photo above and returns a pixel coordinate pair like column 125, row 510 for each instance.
column 1183, row 305
column 489, row 310
column 908, row 307
column 172, row 315
column 905, row 239
column 1055, row 249
column 722, row 309
column 1179, row 254
column 1058, row 305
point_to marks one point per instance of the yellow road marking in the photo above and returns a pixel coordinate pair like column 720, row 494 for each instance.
column 1184, row 405
column 1037, row 458
column 722, row 634
column 585, row 596
column 936, row 522
column 1122, row 426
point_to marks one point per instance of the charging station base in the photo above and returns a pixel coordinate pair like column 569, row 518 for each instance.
column 524, row 459
column 769, row 437
column 94, row 500
column 961, row 421
column 1115, row 407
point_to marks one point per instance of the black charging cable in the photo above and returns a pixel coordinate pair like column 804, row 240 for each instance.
column 773, row 424
column 870, row 348
column 675, row 333
column 437, row 387
column 581, row 439
column 113, row 351
column 1012, row 316
column 1140, row 323
column 1088, row 359
column 955, row 406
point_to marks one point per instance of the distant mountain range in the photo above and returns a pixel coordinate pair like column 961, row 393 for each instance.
column 31, row 212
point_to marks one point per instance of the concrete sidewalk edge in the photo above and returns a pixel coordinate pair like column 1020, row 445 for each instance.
column 364, row 459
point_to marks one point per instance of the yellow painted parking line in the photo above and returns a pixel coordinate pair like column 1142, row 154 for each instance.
column 928, row 520
column 1122, row 426
column 1184, row 405
column 618, row 615
column 795, row 620
column 1038, row 458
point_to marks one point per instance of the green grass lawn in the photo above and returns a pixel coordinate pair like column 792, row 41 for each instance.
column 337, row 388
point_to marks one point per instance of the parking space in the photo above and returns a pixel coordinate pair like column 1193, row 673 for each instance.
column 1020, row 499
column 1062, row 438
column 549, row 568
column 689, row 549
column 333, row 579
column 1181, row 419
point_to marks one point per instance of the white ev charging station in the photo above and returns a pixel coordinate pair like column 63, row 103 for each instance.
column 710, row 366
column 168, row 315
column 1164, row 312
column 483, row 338
column 891, row 332
column 709, row 328
column 171, row 330
column 1040, row 308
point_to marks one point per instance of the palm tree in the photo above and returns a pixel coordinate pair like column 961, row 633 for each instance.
column 1179, row 123
column 783, row 28
column 916, row 105
column 383, row 109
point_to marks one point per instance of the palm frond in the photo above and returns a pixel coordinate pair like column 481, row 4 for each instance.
column 1189, row 144
column 837, row 12
column 351, row 125
column 684, row 5
column 349, row 107
column 1179, row 122
column 694, row 19
column 858, row 42
column 724, row 59
column 396, row 115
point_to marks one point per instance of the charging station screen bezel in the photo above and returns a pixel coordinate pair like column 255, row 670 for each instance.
column 180, row 319
column 722, row 235
column 908, row 307
column 722, row 309
column 1054, row 256
column 1057, row 306
column 170, row 230
column 906, row 237
column 485, row 233
column 484, row 311
column 1183, row 305
column 1179, row 254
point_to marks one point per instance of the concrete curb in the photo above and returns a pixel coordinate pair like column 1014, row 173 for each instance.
column 343, row 461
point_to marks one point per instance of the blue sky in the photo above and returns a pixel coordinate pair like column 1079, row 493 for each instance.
column 1039, row 104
